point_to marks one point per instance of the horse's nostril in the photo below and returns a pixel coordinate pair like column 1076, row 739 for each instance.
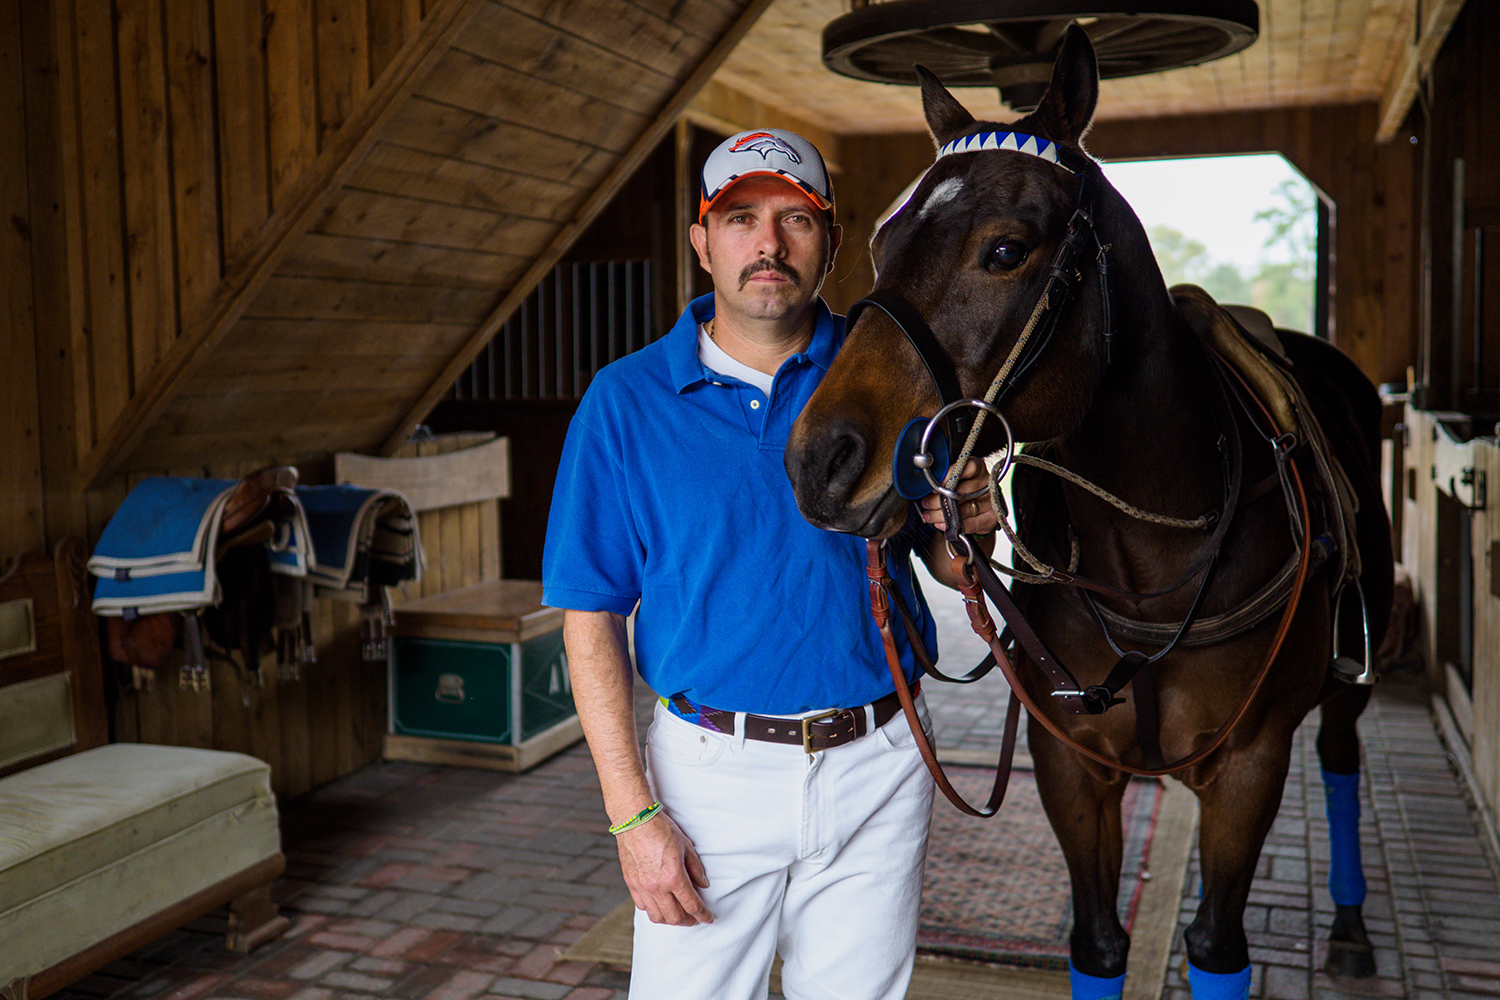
column 847, row 452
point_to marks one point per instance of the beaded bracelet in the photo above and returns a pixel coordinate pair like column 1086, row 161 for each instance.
column 639, row 819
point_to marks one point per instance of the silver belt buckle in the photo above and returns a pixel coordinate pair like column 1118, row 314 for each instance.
column 807, row 722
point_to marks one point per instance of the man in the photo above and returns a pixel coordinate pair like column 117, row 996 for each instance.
column 760, row 820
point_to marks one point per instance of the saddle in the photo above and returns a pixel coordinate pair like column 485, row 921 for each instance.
column 1262, row 361
column 366, row 540
column 180, row 544
column 1277, row 369
column 240, row 558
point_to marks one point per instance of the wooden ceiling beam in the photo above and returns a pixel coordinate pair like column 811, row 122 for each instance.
column 665, row 119
column 302, row 207
column 1437, row 18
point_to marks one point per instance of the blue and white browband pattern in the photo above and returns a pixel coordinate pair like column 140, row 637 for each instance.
column 1046, row 149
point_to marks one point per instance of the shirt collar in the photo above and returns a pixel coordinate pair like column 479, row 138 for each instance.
column 686, row 369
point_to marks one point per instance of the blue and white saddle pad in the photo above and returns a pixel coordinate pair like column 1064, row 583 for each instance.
column 156, row 553
column 364, row 539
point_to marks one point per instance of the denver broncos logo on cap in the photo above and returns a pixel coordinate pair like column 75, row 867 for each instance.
column 764, row 143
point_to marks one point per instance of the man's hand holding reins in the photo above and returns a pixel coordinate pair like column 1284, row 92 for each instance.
column 979, row 522
column 978, row 517
column 662, row 870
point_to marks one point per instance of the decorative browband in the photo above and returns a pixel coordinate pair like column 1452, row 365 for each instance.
column 1046, row 149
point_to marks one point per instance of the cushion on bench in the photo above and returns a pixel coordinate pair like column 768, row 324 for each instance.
column 95, row 842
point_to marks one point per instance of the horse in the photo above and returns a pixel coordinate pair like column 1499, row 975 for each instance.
column 1014, row 265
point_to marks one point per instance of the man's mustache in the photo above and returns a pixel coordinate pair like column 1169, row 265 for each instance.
column 769, row 264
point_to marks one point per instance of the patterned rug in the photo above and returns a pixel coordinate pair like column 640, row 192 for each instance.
column 996, row 889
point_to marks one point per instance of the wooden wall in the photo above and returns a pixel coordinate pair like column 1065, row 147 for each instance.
column 456, row 183
column 1484, row 698
column 1374, row 241
column 258, row 226
column 239, row 232
column 148, row 144
column 22, row 522
column 1458, row 383
column 1431, row 552
column 332, row 719
column 877, row 168
column 144, row 145
column 1460, row 194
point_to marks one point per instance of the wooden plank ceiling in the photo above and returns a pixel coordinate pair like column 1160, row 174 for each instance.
column 463, row 173
column 1308, row 52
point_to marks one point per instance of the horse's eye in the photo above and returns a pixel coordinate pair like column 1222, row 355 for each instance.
column 1009, row 255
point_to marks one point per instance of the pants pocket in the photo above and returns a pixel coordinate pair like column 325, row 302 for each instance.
column 896, row 734
column 679, row 742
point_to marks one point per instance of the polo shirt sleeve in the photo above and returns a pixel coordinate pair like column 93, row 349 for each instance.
column 593, row 556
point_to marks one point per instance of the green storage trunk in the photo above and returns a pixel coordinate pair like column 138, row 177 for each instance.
column 496, row 692
column 479, row 676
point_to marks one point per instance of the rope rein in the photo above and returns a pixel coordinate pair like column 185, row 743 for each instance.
column 1044, row 572
column 954, row 471
column 1199, row 522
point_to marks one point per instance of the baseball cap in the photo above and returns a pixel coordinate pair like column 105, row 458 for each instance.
column 771, row 151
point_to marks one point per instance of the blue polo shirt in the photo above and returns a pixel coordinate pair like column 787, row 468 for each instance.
column 672, row 494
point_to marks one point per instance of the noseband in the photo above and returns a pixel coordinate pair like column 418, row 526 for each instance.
column 1063, row 279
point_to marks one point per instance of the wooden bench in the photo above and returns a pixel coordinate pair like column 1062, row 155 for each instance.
column 108, row 846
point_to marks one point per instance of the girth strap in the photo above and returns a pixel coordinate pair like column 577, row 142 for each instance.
column 1147, row 718
column 1222, row 627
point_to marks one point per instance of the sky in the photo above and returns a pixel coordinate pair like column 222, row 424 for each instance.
column 1211, row 199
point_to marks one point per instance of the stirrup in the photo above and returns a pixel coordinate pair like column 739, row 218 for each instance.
column 1347, row 668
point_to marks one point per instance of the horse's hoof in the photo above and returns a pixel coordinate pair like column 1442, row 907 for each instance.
column 1351, row 959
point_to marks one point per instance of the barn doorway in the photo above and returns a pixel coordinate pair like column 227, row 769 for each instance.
column 1251, row 230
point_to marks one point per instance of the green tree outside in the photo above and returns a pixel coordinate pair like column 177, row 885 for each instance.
column 1282, row 283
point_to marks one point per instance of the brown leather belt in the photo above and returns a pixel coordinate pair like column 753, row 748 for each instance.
column 815, row 732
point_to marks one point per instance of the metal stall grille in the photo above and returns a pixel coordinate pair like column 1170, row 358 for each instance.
column 579, row 319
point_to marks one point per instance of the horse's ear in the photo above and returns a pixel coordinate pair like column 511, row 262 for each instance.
column 1067, row 108
column 946, row 118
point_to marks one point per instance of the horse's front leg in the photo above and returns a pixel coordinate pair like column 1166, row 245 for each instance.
column 1082, row 802
column 1239, row 793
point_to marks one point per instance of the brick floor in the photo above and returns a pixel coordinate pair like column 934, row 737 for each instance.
column 416, row 882
column 1433, row 908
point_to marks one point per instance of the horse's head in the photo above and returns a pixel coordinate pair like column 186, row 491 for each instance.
column 973, row 252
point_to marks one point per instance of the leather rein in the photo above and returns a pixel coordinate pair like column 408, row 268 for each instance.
column 978, row 578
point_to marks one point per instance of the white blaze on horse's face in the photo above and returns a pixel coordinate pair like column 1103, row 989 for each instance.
column 941, row 195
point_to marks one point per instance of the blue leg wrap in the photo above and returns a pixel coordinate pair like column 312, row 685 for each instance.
column 1219, row 986
column 1346, row 875
column 1086, row 987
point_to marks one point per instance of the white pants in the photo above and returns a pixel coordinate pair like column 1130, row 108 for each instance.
column 818, row 857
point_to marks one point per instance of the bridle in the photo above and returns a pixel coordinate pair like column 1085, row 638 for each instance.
column 978, row 578
column 1063, row 279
